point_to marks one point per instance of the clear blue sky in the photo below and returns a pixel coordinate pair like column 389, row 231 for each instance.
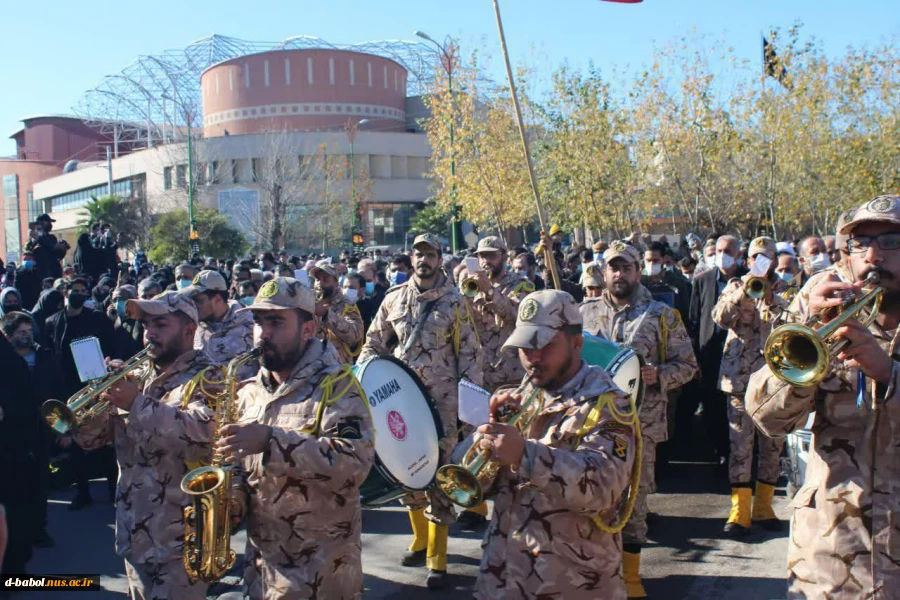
column 53, row 50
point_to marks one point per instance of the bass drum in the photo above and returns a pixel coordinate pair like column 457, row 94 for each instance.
column 407, row 431
column 621, row 362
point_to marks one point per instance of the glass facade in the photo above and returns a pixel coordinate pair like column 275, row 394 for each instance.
column 82, row 197
column 11, row 218
column 35, row 207
column 387, row 224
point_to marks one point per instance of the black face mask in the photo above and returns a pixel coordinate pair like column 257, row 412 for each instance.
column 77, row 300
column 8, row 308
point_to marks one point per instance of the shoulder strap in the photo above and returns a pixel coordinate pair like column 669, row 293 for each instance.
column 329, row 397
column 414, row 334
column 669, row 321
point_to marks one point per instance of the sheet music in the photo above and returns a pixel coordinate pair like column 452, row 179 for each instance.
column 474, row 403
column 88, row 357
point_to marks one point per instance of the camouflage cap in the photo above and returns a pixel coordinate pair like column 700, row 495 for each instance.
column 166, row 303
column 883, row 209
column 841, row 239
column 619, row 249
column 283, row 293
column 491, row 243
column 541, row 315
column 324, row 266
column 592, row 276
column 429, row 239
column 763, row 245
column 206, row 281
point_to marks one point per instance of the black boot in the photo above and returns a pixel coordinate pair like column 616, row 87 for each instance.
column 437, row 580
column 413, row 558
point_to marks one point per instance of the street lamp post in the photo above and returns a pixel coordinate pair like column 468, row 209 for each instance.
column 352, row 129
column 447, row 51
column 194, row 236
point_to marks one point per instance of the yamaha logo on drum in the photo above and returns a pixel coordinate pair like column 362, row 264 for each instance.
column 384, row 392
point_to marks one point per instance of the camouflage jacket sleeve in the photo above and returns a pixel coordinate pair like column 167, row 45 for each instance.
column 95, row 432
column 186, row 431
column 681, row 364
column 498, row 303
column 727, row 311
column 344, row 450
column 776, row 407
column 592, row 477
column 381, row 337
column 345, row 324
column 469, row 358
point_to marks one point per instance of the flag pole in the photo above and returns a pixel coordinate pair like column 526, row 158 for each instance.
column 542, row 216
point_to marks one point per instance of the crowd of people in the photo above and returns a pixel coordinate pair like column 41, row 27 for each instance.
column 497, row 316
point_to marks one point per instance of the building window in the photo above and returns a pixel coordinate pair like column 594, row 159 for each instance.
column 201, row 173
column 255, row 169
column 167, row 178
column 387, row 223
column 234, row 171
column 214, row 171
column 181, row 176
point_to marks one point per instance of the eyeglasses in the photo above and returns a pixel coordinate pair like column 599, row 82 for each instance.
column 886, row 241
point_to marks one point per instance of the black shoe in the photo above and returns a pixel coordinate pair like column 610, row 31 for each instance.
column 80, row 501
column 735, row 530
column 771, row 525
column 437, row 580
column 471, row 521
column 43, row 540
column 413, row 558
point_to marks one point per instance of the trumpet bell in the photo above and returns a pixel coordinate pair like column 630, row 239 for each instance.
column 797, row 355
column 202, row 480
column 459, row 485
column 756, row 287
column 60, row 417
column 470, row 287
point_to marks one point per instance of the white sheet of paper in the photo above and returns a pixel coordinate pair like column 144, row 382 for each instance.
column 472, row 265
column 474, row 403
column 88, row 358
column 302, row 276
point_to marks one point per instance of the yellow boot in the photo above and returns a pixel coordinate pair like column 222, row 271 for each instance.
column 762, row 507
column 631, row 569
column 739, row 519
column 415, row 556
column 437, row 556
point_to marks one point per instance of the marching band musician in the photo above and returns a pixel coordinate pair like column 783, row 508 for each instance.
column 224, row 332
column 626, row 313
column 155, row 433
column 339, row 320
column 749, row 322
column 425, row 322
column 569, row 468
column 844, row 541
column 304, row 441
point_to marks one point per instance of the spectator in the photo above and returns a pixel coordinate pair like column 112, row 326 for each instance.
column 10, row 301
column 87, row 258
column 525, row 264
column 46, row 249
column 128, row 333
column 46, row 284
column 27, row 281
column 184, row 275
column 246, row 292
column 50, row 302
column 149, row 288
column 401, row 268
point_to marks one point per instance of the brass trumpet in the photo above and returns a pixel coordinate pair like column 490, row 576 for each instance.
column 756, row 287
column 800, row 355
column 85, row 403
column 465, row 483
column 470, row 287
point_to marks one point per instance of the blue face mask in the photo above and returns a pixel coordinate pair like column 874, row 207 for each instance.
column 28, row 264
column 183, row 283
column 370, row 288
column 523, row 274
column 247, row 300
column 120, row 308
column 397, row 277
column 785, row 276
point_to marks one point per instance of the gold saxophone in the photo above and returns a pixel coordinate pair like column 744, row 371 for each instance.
column 207, row 523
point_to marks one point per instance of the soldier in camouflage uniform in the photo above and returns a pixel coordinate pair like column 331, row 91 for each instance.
column 224, row 331
column 627, row 314
column 155, row 432
column 749, row 322
column 845, row 529
column 562, row 483
column 426, row 323
column 339, row 321
column 304, row 440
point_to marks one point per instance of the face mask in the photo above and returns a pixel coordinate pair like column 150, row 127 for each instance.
column 89, row 304
column 182, row 283
column 761, row 265
column 76, row 300
column 351, row 295
column 724, row 261
column 819, row 262
column 652, row 269
column 247, row 300
column 28, row 264
column 23, row 341
column 120, row 308
column 398, row 277
column 785, row 276
column 8, row 308
column 370, row 288
column 523, row 274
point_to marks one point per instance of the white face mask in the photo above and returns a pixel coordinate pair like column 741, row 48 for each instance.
column 652, row 269
column 817, row 262
column 351, row 295
column 724, row 261
column 761, row 265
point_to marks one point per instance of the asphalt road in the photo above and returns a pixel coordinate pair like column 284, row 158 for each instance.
column 687, row 557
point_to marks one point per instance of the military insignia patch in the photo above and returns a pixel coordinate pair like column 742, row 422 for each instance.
column 593, row 271
column 880, row 205
column 269, row 289
column 196, row 279
column 620, row 448
column 619, row 246
column 528, row 309
column 760, row 243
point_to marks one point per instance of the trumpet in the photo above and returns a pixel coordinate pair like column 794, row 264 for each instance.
column 756, row 287
column 470, row 287
column 207, row 553
column 85, row 403
column 465, row 483
column 800, row 354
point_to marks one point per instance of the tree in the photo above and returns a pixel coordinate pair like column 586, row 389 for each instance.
column 169, row 238
column 124, row 217
column 432, row 218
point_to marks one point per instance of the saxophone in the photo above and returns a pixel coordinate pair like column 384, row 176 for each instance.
column 207, row 522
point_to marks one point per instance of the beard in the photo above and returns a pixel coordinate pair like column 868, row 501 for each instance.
column 495, row 271
column 425, row 272
column 163, row 354
column 621, row 289
column 281, row 359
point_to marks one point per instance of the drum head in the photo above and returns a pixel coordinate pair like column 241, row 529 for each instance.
column 406, row 425
column 626, row 373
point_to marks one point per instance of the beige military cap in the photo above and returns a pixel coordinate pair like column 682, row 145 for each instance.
column 326, row 267
column 164, row 304
column 619, row 249
column 429, row 239
column 491, row 243
column 592, row 275
column 840, row 240
column 541, row 315
column 763, row 245
column 283, row 293
column 883, row 209
column 206, row 281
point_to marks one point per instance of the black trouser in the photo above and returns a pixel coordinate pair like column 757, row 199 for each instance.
column 87, row 464
column 705, row 392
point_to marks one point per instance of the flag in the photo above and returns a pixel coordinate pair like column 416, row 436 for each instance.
column 773, row 66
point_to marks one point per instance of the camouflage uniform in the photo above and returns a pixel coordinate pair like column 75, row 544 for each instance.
column 445, row 351
column 542, row 541
column 153, row 443
column 343, row 323
column 302, row 491
column 845, row 537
